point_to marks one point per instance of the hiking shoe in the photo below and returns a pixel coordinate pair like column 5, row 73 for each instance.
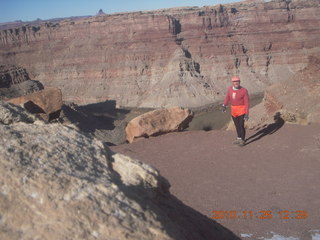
column 237, row 141
column 241, row 143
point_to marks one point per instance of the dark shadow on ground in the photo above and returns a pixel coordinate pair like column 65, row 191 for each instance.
column 268, row 129
column 180, row 221
column 97, row 116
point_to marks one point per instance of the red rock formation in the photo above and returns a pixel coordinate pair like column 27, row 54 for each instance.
column 182, row 56
column 46, row 103
column 296, row 99
column 158, row 122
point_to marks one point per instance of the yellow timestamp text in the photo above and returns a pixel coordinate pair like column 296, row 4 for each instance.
column 262, row 214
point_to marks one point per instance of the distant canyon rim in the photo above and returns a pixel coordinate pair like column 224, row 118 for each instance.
column 169, row 57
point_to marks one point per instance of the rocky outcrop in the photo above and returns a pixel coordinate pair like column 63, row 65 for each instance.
column 297, row 99
column 158, row 122
column 56, row 183
column 172, row 57
column 15, row 82
column 100, row 13
column 46, row 103
column 10, row 75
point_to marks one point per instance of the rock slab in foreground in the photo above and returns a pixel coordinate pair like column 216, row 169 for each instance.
column 56, row 183
column 46, row 103
column 158, row 122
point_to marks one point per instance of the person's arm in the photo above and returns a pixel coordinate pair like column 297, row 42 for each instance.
column 227, row 98
column 246, row 101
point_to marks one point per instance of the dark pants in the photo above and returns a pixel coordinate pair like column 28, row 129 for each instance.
column 239, row 123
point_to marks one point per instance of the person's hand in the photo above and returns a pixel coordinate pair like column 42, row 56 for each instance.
column 223, row 108
column 246, row 117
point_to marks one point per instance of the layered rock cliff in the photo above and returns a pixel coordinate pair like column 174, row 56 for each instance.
column 182, row 56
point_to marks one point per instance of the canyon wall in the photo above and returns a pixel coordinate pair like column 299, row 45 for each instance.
column 181, row 56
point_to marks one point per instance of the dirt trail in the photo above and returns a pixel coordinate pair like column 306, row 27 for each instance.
column 278, row 172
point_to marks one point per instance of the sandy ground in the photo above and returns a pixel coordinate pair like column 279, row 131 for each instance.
column 263, row 185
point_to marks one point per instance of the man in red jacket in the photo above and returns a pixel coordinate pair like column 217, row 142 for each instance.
column 239, row 101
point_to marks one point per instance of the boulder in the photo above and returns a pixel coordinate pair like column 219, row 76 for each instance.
column 158, row 122
column 56, row 183
column 46, row 103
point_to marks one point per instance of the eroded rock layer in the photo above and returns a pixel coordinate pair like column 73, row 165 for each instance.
column 182, row 56
column 296, row 103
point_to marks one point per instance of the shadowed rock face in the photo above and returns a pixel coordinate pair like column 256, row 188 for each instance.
column 57, row 183
column 10, row 75
column 10, row 113
column 174, row 57
column 46, row 103
column 15, row 82
column 20, row 89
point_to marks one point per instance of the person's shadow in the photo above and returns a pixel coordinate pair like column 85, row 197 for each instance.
column 267, row 130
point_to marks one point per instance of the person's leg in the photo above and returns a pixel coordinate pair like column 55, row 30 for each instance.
column 242, row 130
column 236, row 121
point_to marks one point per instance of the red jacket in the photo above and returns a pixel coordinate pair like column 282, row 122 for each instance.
column 239, row 101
